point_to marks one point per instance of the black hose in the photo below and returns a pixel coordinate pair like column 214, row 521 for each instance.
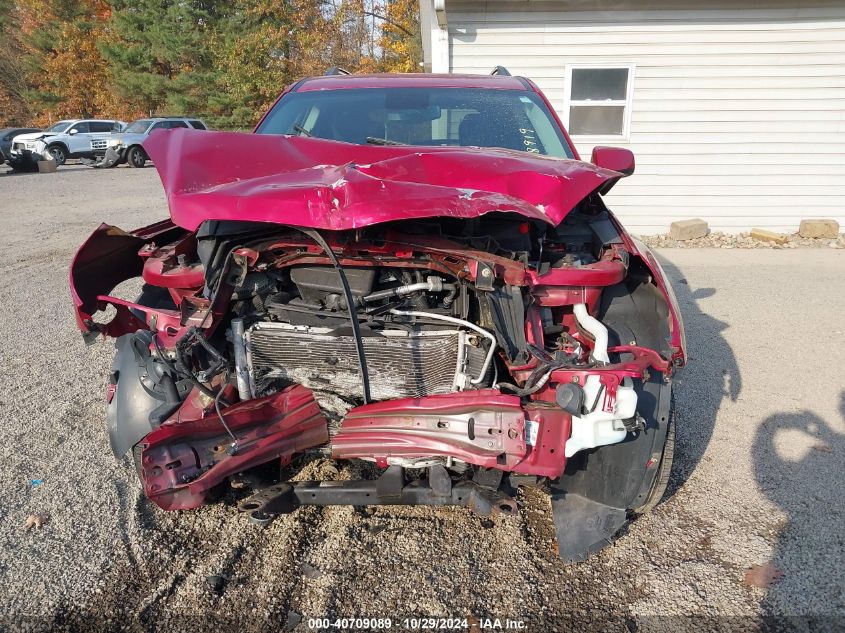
column 527, row 390
column 350, row 304
column 174, row 367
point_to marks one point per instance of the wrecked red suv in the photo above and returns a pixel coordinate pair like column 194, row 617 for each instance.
column 413, row 270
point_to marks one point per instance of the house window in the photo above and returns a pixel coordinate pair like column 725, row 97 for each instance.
column 598, row 100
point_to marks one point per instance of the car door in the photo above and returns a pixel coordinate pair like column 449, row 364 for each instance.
column 78, row 138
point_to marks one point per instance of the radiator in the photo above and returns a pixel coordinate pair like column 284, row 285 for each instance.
column 401, row 364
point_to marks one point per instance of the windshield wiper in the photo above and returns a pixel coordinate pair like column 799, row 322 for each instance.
column 374, row 140
column 301, row 130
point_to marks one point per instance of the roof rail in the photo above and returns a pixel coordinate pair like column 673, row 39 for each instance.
column 500, row 70
column 336, row 70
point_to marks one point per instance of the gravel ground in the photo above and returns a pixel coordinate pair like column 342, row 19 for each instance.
column 759, row 476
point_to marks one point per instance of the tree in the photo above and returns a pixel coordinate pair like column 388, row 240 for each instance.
column 224, row 60
column 400, row 38
column 14, row 107
column 263, row 46
column 65, row 72
column 161, row 53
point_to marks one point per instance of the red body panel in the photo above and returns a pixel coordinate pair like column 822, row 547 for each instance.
column 337, row 186
column 485, row 428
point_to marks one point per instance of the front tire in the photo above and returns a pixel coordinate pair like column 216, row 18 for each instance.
column 59, row 154
column 136, row 157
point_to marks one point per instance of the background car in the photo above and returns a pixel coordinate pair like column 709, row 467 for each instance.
column 129, row 144
column 9, row 133
column 73, row 138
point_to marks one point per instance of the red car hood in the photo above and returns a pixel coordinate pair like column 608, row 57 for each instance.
column 324, row 184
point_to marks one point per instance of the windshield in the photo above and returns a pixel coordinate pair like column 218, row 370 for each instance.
column 512, row 119
column 138, row 127
column 59, row 127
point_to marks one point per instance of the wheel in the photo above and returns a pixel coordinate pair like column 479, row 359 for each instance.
column 59, row 154
column 136, row 156
column 664, row 469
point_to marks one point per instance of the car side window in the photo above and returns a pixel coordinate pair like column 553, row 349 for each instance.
column 161, row 125
column 81, row 128
column 101, row 126
column 174, row 124
column 197, row 125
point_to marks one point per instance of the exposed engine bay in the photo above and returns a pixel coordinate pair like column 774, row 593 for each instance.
column 481, row 353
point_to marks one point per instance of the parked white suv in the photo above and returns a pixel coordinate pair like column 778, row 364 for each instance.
column 75, row 138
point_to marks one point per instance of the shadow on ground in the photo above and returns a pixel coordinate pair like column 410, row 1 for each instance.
column 793, row 453
column 63, row 168
column 712, row 374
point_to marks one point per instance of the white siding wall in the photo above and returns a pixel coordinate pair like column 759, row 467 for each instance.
column 738, row 114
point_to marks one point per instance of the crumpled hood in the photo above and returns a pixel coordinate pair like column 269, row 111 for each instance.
column 32, row 136
column 127, row 138
column 316, row 183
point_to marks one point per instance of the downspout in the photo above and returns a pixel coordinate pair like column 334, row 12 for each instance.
column 440, row 12
column 440, row 39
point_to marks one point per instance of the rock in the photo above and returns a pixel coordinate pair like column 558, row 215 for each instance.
column 825, row 228
column 688, row 229
column 35, row 521
column 309, row 571
column 293, row 619
column 768, row 236
column 216, row 583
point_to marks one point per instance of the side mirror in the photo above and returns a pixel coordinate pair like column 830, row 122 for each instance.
column 73, row 131
column 615, row 158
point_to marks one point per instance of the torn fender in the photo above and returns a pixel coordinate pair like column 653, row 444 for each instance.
column 109, row 257
column 332, row 185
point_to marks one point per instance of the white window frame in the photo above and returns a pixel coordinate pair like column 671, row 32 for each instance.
column 627, row 103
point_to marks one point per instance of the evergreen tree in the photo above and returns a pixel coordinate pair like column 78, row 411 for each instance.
column 161, row 53
column 263, row 46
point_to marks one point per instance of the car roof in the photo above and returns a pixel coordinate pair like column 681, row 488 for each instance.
column 412, row 80
column 85, row 120
column 157, row 119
